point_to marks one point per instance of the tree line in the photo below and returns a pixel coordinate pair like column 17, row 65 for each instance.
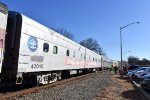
column 136, row 61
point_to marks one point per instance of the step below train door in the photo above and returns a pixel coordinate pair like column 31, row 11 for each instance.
column 3, row 25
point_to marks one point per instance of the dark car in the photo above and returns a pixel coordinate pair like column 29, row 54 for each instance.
column 132, row 67
column 145, row 82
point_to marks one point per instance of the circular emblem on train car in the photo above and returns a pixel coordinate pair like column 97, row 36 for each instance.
column 32, row 44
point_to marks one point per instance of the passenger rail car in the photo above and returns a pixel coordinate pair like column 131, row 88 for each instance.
column 37, row 53
column 3, row 22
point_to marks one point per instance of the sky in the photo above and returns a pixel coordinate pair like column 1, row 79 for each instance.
column 99, row 19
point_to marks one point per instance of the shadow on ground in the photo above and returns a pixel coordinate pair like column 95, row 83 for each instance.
column 133, row 95
column 15, row 88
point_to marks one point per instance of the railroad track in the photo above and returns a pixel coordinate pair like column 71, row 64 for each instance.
column 36, row 89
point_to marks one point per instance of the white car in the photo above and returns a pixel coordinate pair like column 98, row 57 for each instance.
column 141, row 73
column 132, row 72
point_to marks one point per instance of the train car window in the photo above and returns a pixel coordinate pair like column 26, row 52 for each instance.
column 74, row 54
column 81, row 56
column 89, row 57
column 84, row 56
column 93, row 59
column 55, row 49
column 67, row 53
column 45, row 47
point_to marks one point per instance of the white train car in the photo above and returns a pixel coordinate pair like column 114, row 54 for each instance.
column 106, row 63
column 3, row 22
column 35, row 52
column 115, row 63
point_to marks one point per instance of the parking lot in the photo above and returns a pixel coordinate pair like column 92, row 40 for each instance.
column 140, row 75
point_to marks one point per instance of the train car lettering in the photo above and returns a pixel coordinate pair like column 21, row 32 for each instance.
column 36, row 66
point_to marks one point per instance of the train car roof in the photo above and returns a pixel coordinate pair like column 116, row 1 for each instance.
column 34, row 23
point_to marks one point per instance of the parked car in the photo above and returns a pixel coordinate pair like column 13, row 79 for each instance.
column 132, row 67
column 141, row 73
column 132, row 72
column 145, row 82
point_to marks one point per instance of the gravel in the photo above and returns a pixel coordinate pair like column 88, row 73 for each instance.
column 86, row 88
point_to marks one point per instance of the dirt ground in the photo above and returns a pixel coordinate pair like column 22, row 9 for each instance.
column 120, row 89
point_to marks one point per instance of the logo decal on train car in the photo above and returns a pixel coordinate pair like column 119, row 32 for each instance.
column 32, row 44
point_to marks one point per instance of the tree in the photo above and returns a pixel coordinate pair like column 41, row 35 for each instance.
column 136, row 61
column 145, row 61
column 64, row 32
column 93, row 45
column 133, row 60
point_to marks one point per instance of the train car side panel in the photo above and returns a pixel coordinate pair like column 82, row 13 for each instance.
column 3, row 23
column 35, row 37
